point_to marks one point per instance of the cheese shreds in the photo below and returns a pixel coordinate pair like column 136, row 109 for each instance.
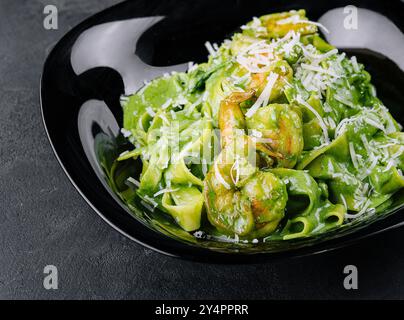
column 205, row 96
column 255, row 25
column 173, row 115
column 204, row 167
column 341, row 128
column 151, row 201
column 134, row 181
column 263, row 99
column 181, row 100
column 192, row 107
column 344, row 101
column 142, row 90
column 220, row 178
column 257, row 57
column 365, row 189
column 190, row 65
column 361, row 212
column 126, row 133
column 294, row 41
column 123, row 100
column 398, row 153
column 296, row 19
column 318, row 69
column 250, row 65
column 319, row 57
column 150, row 112
column 210, row 48
column 235, row 167
column 307, row 81
column 255, row 133
column 366, row 144
column 330, row 166
column 320, row 119
column 261, row 43
column 373, row 164
column 288, row 20
column 167, row 104
column 353, row 155
column 344, row 201
column 167, row 190
column 374, row 123
column 355, row 65
column 331, row 123
column 164, row 118
column 318, row 24
column 390, row 164
column 147, row 206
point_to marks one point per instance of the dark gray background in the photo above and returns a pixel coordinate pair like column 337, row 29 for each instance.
column 43, row 220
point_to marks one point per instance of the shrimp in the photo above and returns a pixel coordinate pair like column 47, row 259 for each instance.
column 232, row 123
column 281, row 130
column 285, row 76
column 241, row 199
column 280, row 24
column 280, row 125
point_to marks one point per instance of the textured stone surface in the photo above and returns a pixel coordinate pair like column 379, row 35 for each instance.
column 44, row 221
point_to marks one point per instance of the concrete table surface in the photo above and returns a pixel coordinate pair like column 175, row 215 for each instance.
column 44, row 221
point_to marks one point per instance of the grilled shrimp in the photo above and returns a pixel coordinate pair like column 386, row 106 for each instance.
column 285, row 76
column 281, row 130
column 241, row 199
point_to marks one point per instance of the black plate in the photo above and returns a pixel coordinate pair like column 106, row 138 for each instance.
column 112, row 52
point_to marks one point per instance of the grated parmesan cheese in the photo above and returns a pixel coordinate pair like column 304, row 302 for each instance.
column 320, row 119
column 167, row 190
column 296, row 19
column 344, row 201
column 353, row 155
column 167, row 104
column 220, row 178
column 361, row 212
column 355, row 65
column 235, row 167
column 126, row 133
column 133, row 181
column 318, row 69
column 210, row 48
column 263, row 99
column 150, row 112
column 374, row 124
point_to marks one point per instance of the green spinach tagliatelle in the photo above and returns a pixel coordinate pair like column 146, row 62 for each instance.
column 325, row 150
